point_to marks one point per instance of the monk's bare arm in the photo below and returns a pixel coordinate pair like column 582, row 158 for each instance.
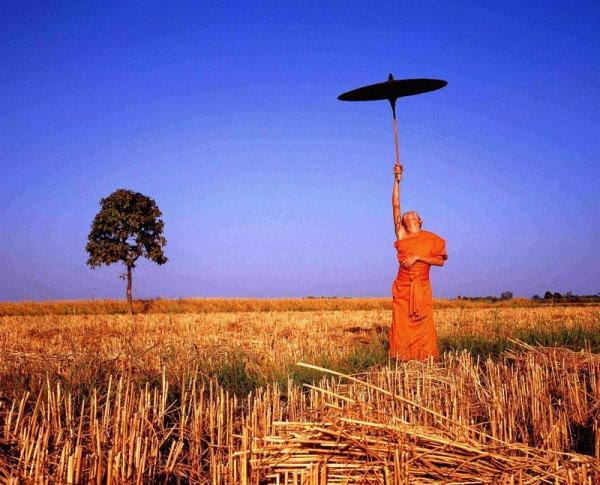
column 398, row 229
column 407, row 262
column 433, row 260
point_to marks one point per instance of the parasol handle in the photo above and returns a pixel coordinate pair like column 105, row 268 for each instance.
column 399, row 215
column 393, row 103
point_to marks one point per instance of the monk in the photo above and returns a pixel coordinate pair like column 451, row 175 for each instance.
column 412, row 334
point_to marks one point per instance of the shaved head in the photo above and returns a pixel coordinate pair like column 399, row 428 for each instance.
column 412, row 222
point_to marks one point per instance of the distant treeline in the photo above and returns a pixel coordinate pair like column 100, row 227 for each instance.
column 552, row 297
column 240, row 305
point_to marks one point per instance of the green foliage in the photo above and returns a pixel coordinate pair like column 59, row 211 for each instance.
column 128, row 226
column 238, row 375
column 574, row 338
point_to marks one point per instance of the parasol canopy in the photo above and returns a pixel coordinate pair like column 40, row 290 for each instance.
column 392, row 89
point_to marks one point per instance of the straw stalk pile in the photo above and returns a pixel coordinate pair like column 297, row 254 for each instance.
column 530, row 417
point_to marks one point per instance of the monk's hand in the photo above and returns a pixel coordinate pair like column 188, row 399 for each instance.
column 409, row 261
column 398, row 171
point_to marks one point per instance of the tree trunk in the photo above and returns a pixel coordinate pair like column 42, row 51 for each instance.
column 129, row 299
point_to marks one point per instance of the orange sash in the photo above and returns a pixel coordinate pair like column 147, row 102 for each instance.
column 415, row 294
column 415, row 299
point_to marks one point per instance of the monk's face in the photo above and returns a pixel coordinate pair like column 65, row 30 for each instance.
column 412, row 222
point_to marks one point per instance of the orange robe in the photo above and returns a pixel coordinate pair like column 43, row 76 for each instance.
column 412, row 334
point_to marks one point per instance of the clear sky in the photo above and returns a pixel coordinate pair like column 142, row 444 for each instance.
column 226, row 114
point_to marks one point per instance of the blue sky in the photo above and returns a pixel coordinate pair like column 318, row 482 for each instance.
column 226, row 114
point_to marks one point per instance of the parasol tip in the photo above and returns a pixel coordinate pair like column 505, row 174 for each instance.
column 390, row 77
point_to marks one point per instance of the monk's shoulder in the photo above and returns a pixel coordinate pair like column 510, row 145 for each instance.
column 431, row 236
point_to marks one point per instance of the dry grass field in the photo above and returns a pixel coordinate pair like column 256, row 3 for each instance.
column 296, row 391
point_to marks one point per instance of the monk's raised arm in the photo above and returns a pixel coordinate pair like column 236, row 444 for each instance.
column 396, row 201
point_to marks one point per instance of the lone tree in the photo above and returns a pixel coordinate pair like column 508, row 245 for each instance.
column 128, row 226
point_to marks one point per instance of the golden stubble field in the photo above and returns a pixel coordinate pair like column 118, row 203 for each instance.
column 102, row 398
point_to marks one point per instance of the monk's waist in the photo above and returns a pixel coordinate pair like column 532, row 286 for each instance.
column 409, row 276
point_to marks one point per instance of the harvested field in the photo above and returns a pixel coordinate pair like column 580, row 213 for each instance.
column 219, row 398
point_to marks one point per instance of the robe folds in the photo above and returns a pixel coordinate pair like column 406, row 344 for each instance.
column 412, row 334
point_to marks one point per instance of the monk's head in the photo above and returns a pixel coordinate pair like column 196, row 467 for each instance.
column 412, row 222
